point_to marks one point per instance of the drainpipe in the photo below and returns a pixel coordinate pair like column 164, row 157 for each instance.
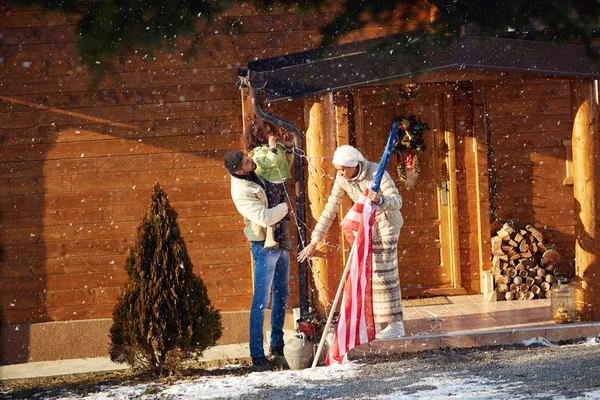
column 299, row 176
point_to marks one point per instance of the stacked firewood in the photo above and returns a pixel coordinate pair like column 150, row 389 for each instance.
column 522, row 265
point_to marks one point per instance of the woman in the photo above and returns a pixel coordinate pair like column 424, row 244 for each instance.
column 355, row 174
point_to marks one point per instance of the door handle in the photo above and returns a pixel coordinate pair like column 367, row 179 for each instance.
column 444, row 190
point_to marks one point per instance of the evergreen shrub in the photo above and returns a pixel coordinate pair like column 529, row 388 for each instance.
column 164, row 315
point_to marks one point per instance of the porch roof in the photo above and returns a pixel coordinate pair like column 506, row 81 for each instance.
column 362, row 63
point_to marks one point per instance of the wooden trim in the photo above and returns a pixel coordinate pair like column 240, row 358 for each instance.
column 441, row 177
column 344, row 135
column 359, row 131
column 443, row 107
column 342, row 122
column 480, row 131
column 452, row 223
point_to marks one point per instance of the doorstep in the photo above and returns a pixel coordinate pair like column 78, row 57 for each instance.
column 517, row 336
column 471, row 321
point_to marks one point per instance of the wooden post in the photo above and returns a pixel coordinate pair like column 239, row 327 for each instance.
column 248, row 112
column 320, row 145
column 586, row 182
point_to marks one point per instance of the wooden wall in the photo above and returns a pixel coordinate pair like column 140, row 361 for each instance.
column 77, row 163
column 529, row 122
column 512, row 165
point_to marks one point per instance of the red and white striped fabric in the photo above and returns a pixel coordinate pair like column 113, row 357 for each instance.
column 355, row 323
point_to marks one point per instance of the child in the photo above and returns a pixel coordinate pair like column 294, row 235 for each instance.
column 272, row 151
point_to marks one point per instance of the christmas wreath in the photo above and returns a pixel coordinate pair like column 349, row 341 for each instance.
column 409, row 142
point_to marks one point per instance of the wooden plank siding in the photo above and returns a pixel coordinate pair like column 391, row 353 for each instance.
column 77, row 163
column 529, row 119
column 526, row 120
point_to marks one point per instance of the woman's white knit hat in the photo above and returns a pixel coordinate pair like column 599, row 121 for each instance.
column 347, row 156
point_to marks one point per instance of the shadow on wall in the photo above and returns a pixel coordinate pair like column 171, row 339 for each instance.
column 22, row 248
column 75, row 190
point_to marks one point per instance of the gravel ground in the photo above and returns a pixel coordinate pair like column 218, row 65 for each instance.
column 516, row 372
column 568, row 371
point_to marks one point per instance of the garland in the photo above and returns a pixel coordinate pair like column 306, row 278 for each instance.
column 409, row 142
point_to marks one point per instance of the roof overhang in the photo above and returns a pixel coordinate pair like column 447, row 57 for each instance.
column 363, row 63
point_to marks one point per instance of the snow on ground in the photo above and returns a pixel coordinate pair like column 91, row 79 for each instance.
column 540, row 341
column 431, row 388
column 235, row 386
column 231, row 386
column 302, row 384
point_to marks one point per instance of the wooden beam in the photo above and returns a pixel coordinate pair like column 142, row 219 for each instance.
column 327, row 264
column 586, row 183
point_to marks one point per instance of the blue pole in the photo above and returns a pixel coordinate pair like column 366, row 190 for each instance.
column 384, row 159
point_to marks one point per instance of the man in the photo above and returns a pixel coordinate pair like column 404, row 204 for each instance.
column 271, row 265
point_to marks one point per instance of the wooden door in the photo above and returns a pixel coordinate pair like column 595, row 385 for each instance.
column 426, row 252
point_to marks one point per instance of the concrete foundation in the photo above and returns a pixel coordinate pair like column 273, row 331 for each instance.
column 49, row 341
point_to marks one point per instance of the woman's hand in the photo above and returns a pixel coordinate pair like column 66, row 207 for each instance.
column 374, row 196
column 307, row 252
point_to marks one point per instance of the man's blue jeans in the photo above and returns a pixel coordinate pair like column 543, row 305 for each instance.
column 271, row 271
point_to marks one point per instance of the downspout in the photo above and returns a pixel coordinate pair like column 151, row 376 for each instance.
column 299, row 188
